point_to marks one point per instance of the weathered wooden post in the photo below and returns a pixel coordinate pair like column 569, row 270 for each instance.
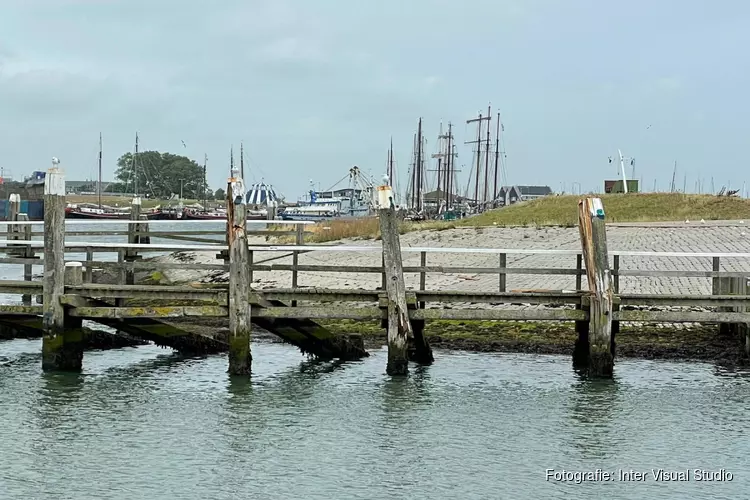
column 61, row 349
column 14, row 208
column 240, row 357
column 400, row 331
column 131, row 254
column 28, row 253
column 600, row 298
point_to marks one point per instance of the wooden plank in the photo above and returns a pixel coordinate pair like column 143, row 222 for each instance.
column 23, row 310
column 373, row 313
column 149, row 312
column 594, row 246
column 683, row 316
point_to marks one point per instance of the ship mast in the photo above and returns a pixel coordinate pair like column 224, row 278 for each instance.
column 419, row 166
column 478, row 142
column 205, row 181
column 497, row 158
column 99, row 185
column 135, row 167
column 487, row 159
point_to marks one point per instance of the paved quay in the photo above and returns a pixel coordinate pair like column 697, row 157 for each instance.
column 713, row 236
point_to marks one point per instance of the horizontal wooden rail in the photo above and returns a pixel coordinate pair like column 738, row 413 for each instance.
column 82, row 222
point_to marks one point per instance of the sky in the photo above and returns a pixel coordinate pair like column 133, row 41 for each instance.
column 312, row 88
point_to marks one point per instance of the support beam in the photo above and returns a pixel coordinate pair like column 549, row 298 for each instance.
column 594, row 245
column 240, row 357
column 62, row 349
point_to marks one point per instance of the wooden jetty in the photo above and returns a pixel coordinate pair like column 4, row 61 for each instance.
column 70, row 295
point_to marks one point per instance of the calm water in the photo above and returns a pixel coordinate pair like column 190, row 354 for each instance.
column 142, row 424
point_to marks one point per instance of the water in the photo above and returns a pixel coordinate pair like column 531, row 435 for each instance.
column 139, row 423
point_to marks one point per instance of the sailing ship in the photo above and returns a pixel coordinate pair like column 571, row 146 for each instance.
column 98, row 211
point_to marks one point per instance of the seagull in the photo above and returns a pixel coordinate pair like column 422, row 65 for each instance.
column 55, row 160
column 385, row 179
column 183, row 143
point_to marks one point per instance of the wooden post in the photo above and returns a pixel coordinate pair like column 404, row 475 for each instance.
column 14, row 208
column 28, row 253
column 502, row 280
column 400, row 330
column 299, row 240
column 422, row 275
column 240, row 357
column 715, row 284
column 89, row 267
column 61, row 349
column 579, row 274
column 594, row 244
column 131, row 254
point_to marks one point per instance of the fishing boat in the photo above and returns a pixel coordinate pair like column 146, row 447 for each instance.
column 357, row 200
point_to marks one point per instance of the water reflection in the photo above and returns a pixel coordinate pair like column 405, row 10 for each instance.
column 591, row 412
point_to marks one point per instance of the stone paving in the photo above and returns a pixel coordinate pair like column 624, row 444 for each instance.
column 681, row 237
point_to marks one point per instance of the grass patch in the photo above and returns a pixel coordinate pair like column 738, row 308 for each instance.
column 637, row 207
column 556, row 211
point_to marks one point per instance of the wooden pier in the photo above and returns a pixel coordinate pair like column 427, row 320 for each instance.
column 69, row 292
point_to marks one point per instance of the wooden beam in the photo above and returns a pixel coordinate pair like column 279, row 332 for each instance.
column 148, row 312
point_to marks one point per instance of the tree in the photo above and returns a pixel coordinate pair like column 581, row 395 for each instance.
column 161, row 175
column 220, row 195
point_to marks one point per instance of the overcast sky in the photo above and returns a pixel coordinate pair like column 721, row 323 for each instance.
column 313, row 87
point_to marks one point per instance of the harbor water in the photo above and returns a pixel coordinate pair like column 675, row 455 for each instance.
column 145, row 424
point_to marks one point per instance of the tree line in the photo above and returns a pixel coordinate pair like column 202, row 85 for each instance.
column 163, row 176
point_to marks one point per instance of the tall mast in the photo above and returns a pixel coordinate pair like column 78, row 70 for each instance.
column 479, row 158
column 485, row 196
column 413, row 176
column 390, row 164
column 449, row 168
column 497, row 156
column 135, row 166
column 419, row 165
column 478, row 142
column 242, row 161
column 205, row 181
column 231, row 161
column 438, row 186
column 99, row 185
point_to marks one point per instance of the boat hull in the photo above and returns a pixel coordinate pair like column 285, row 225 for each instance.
column 74, row 214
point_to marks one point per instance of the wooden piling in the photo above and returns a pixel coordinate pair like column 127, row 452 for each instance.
column 600, row 299
column 131, row 254
column 240, row 357
column 62, row 349
column 400, row 331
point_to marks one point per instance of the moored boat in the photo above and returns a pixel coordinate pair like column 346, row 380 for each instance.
column 73, row 211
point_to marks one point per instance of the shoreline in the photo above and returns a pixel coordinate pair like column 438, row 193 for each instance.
column 649, row 342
